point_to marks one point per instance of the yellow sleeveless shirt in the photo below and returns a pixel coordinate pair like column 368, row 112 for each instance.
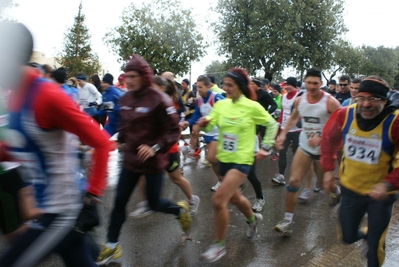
column 368, row 155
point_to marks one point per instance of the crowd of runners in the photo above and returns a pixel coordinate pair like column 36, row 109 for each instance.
column 347, row 134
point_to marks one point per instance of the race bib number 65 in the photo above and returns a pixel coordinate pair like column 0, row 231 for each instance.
column 363, row 150
column 229, row 143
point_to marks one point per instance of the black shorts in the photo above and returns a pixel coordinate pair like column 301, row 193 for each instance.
column 174, row 162
column 10, row 216
column 312, row 156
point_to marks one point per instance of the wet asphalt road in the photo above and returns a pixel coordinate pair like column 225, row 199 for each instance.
column 157, row 240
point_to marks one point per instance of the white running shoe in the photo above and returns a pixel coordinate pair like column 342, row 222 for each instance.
column 142, row 210
column 216, row 186
column 252, row 229
column 278, row 179
column 283, row 227
column 194, row 204
column 258, row 205
column 214, row 253
column 305, row 195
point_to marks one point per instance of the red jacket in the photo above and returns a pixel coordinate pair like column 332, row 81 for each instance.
column 147, row 117
column 54, row 110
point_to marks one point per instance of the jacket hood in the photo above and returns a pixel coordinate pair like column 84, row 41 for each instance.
column 139, row 64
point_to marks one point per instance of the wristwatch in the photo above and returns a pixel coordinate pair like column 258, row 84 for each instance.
column 156, row 148
column 266, row 147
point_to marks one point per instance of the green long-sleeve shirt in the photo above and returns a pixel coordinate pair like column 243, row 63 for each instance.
column 237, row 122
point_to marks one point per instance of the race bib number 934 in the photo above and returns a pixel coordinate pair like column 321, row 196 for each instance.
column 362, row 149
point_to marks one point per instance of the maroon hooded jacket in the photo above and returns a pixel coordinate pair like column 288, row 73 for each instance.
column 147, row 117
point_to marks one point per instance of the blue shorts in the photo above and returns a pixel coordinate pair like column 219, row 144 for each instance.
column 225, row 167
column 210, row 138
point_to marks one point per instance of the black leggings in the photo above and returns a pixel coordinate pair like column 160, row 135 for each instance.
column 253, row 179
column 127, row 182
column 352, row 210
column 282, row 159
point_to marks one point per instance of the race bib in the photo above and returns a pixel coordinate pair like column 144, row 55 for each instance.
column 205, row 109
column 362, row 149
column 284, row 119
column 229, row 143
column 313, row 132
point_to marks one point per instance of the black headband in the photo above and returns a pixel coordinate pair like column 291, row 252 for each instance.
column 374, row 87
column 239, row 80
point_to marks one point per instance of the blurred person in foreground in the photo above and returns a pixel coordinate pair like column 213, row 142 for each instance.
column 16, row 199
column 45, row 145
column 148, row 129
column 368, row 131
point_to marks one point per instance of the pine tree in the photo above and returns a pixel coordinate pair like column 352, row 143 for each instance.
column 77, row 54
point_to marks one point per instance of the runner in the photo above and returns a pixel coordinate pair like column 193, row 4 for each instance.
column 149, row 128
column 292, row 136
column 314, row 107
column 173, row 170
column 204, row 105
column 236, row 117
column 42, row 143
column 354, row 86
column 110, row 107
column 89, row 96
column 17, row 203
column 369, row 132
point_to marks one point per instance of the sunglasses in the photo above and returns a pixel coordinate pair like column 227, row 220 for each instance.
column 343, row 84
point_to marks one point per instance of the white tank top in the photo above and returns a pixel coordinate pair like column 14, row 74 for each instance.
column 314, row 116
column 205, row 109
column 287, row 104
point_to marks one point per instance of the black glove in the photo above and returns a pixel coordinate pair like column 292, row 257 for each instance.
column 92, row 104
column 88, row 217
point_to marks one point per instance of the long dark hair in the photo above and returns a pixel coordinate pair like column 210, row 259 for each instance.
column 96, row 81
column 171, row 91
column 240, row 77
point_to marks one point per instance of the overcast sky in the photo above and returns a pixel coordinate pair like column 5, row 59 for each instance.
column 370, row 22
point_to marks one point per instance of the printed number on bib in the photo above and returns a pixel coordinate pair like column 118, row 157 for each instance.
column 229, row 143
column 285, row 119
column 311, row 134
column 362, row 149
